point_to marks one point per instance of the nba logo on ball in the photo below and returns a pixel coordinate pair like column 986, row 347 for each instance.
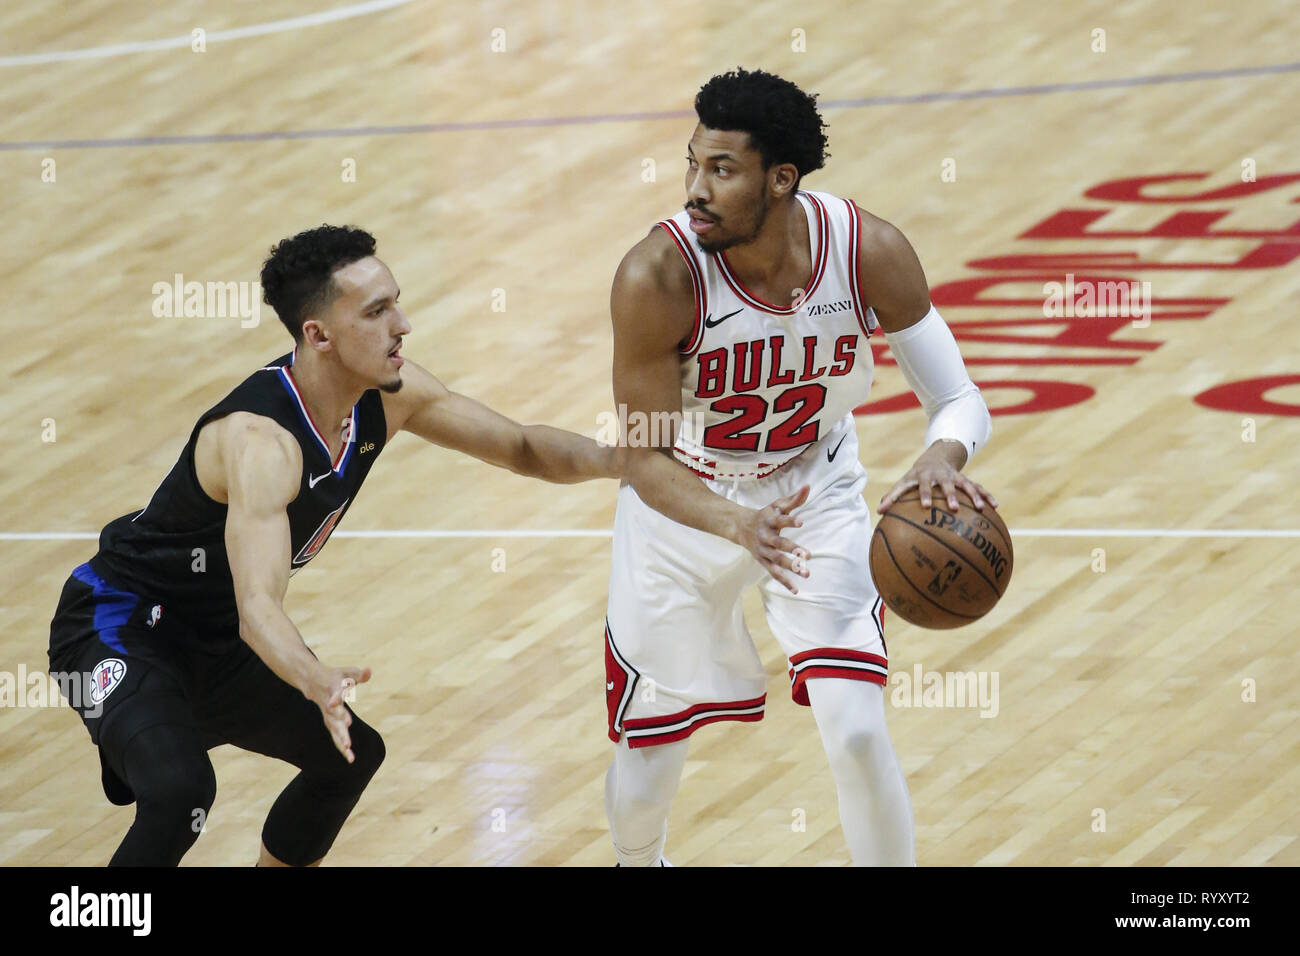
column 939, row 568
column 105, row 678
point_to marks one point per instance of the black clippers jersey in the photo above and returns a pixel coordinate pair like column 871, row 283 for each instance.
column 174, row 551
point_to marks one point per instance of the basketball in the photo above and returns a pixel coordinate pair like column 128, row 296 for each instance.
column 937, row 568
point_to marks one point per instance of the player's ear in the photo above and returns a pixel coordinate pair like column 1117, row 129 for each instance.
column 315, row 336
column 782, row 179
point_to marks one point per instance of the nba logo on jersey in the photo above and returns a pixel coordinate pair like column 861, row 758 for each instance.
column 317, row 540
column 155, row 614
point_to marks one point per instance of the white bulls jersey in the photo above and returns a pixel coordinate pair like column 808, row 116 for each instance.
column 761, row 383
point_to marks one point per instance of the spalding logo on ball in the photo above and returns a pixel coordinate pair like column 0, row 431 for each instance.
column 938, row 568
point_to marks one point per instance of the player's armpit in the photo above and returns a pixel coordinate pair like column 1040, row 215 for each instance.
column 458, row 422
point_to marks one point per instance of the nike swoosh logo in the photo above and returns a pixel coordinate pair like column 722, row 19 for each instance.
column 830, row 455
column 313, row 479
column 609, row 686
column 710, row 321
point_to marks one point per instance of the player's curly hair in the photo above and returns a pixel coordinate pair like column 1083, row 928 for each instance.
column 296, row 277
column 782, row 120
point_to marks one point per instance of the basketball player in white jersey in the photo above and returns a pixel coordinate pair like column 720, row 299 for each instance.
column 746, row 318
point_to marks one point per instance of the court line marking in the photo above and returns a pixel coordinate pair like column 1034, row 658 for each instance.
column 202, row 139
column 606, row 533
column 212, row 36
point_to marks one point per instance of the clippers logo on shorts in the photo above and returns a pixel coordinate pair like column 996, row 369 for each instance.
column 317, row 540
column 105, row 677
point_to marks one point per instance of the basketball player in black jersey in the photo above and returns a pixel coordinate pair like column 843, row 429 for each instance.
column 177, row 624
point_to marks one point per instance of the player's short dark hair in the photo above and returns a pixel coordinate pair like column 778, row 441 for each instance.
column 296, row 276
column 782, row 120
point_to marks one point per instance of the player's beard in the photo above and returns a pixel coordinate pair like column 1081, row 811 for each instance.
column 394, row 386
column 722, row 245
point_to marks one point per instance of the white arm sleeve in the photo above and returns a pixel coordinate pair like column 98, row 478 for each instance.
column 931, row 362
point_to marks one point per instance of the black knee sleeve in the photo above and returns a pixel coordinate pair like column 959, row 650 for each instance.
column 309, row 814
column 368, row 749
column 167, row 768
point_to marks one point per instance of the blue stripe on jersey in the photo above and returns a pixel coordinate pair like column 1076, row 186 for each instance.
column 311, row 426
column 112, row 607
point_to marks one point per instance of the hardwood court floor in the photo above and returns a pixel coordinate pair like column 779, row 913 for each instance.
column 1119, row 691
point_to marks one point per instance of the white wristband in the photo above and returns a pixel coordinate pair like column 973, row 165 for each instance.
column 929, row 358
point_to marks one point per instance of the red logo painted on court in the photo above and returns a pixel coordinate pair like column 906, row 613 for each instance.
column 1011, row 324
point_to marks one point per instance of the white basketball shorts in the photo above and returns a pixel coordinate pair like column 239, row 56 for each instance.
column 677, row 652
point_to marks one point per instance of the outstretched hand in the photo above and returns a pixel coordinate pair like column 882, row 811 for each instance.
column 329, row 695
column 779, row 555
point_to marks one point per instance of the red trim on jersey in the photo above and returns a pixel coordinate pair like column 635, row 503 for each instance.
column 707, row 463
column 855, row 242
column 819, row 269
column 834, row 662
column 697, row 282
column 695, row 471
column 352, row 419
column 693, row 717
